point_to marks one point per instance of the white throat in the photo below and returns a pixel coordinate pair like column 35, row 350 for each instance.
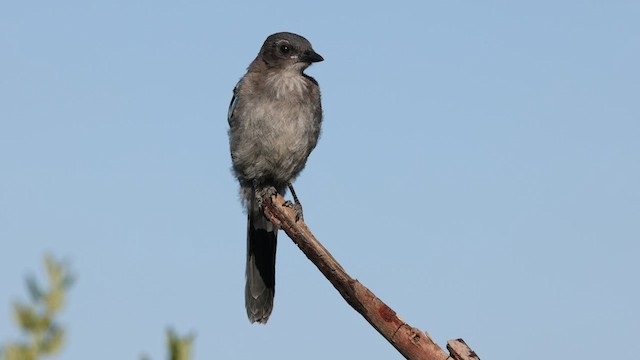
column 287, row 83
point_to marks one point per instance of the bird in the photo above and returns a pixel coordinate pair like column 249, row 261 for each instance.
column 275, row 116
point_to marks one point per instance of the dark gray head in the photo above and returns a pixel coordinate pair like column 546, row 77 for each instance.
column 288, row 51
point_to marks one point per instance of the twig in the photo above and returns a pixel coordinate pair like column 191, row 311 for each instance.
column 460, row 350
column 409, row 341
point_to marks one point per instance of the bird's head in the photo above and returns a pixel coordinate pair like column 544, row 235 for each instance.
column 288, row 51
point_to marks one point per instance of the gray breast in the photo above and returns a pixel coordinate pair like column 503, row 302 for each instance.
column 277, row 132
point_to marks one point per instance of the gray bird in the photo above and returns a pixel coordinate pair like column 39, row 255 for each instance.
column 274, row 124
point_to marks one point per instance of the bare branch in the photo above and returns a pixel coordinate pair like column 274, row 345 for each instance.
column 460, row 350
column 409, row 341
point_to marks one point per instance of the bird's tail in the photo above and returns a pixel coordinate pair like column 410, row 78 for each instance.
column 261, row 265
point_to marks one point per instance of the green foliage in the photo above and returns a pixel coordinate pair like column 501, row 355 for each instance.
column 36, row 319
column 44, row 336
column 179, row 347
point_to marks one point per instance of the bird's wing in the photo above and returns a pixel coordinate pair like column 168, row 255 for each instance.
column 234, row 102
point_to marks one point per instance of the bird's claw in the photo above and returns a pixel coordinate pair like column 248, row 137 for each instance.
column 267, row 191
column 296, row 207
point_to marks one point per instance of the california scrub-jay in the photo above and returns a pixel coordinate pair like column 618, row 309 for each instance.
column 274, row 123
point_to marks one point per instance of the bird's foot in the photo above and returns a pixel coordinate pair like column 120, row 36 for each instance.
column 268, row 191
column 297, row 207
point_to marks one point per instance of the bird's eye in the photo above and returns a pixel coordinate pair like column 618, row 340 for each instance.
column 285, row 49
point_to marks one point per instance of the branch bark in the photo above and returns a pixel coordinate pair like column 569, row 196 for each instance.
column 412, row 343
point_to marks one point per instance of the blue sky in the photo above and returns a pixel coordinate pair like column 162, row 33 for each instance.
column 479, row 170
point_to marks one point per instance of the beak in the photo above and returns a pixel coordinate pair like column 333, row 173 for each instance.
column 311, row 56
